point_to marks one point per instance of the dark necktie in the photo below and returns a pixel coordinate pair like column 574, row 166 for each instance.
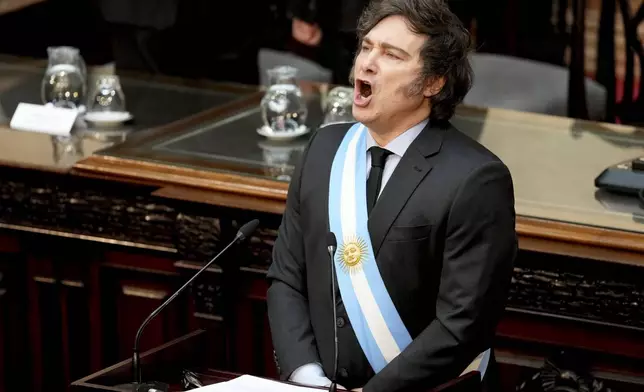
column 378, row 159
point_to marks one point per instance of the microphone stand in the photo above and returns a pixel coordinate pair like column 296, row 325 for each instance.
column 334, row 384
column 241, row 235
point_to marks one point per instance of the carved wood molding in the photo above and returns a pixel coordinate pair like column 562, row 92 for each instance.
column 139, row 292
column 581, row 241
column 104, row 240
column 156, row 173
column 269, row 196
column 65, row 282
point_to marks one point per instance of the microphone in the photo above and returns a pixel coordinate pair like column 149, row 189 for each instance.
column 243, row 233
column 332, row 245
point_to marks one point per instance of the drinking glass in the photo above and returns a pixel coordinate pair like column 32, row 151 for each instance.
column 107, row 96
column 338, row 106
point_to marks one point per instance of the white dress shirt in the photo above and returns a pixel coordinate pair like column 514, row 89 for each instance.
column 398, row 147
column 312, row 373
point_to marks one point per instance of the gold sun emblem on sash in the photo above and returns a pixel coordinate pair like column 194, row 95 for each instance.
column 353, row 252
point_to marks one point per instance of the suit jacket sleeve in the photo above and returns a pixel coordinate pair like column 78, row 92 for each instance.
column 480, row 247
column 288, row 309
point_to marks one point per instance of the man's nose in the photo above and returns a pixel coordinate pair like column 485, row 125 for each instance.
column 369, row 64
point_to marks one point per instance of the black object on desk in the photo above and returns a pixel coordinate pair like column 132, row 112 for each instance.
column 625, row 177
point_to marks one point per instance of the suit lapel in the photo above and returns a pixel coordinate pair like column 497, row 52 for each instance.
column 409, row 172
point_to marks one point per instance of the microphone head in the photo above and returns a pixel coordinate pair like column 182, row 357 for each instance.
column 248, row 229
column 331, row 242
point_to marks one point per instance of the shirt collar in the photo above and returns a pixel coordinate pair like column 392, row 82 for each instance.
column 402, row 142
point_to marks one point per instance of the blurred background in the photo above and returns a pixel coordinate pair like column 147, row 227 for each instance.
column 597, row 43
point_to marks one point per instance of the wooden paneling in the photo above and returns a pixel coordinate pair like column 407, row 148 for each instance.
column 14, row 348
column 87, row 300
column 75, row 329
column 59, row 291
column 69, row 308
column 129, row 295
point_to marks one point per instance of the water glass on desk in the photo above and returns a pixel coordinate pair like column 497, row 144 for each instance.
column 338, row 106
column 66, row 149
column 107, row 95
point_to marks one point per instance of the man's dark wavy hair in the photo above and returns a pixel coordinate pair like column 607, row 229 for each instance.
column 444, row 53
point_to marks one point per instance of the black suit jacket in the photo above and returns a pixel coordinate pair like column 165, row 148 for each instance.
column 443, row 232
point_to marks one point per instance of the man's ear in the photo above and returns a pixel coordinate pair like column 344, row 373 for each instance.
column 434, row 86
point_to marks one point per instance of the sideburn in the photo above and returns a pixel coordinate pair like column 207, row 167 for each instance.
column 416, row 87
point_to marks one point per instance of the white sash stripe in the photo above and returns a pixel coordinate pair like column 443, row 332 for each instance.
column 381, row 334
column 348, row 195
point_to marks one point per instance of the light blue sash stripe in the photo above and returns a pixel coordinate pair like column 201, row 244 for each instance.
column 358, row 322
column 484, row 362
column 386, row 305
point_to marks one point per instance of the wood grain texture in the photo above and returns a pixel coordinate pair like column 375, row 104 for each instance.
column 581, row 241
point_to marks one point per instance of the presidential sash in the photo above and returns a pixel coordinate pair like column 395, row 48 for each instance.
column 380, row 330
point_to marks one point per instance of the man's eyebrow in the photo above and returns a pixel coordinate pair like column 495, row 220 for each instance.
column 393, row 47
column 387, row 46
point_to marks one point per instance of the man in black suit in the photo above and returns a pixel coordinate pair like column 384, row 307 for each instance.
column 423, row 216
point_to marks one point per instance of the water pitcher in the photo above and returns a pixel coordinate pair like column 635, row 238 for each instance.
column 283, row 107
column 65, row 80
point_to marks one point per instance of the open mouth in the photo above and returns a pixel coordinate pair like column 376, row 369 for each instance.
column 362, row 95
column 364, row 88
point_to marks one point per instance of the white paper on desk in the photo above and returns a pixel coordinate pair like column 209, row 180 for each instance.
column 248, row 383
column 45, row 119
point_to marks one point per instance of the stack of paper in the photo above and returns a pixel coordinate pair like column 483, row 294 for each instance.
column 248, row 383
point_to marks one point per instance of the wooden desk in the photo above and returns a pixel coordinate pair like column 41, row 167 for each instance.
column 553, row 162
column 104, row 239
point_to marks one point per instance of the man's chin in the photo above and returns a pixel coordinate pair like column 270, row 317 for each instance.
column 361, row 115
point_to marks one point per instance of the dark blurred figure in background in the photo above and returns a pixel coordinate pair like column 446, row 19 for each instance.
column 330, row 27
column 217, row 40
column 28, row 30
column 135, row 27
